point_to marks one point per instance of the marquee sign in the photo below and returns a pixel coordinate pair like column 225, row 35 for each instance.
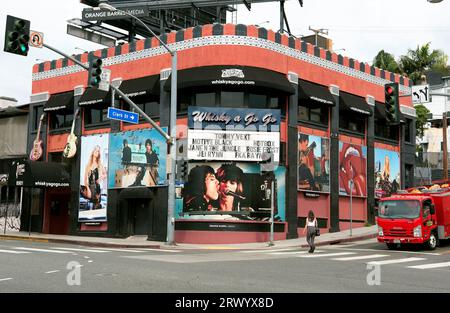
column 233, row 145
column 258, row 120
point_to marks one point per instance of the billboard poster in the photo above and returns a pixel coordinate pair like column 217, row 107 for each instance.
column 313, row 163
column 232, row 191
column 93, row 174
column 137, row 159
column 352, row 166
column 387, row 172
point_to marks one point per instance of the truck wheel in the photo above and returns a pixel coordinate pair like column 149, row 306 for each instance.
column 433, row 242
column 392, row 246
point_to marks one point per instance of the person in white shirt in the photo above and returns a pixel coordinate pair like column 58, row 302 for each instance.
column 310, row 230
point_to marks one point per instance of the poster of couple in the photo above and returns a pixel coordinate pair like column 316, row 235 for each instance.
column 232, row 191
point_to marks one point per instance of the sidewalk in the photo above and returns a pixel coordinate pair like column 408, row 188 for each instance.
column 360, row 233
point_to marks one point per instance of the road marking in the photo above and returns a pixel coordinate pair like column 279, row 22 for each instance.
column 5, row 279
column 396, row 261
column 41, row 250
column 119, row 250
column 325, row 255
column 361, row 257
column 161, row 250
column 383, row 250
column 81, row 250
column 432, row 265
column 90, row 261
column 14, row 252
column 51, row 272
column 268, row 251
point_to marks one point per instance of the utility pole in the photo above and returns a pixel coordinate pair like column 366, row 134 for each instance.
column 317, row 32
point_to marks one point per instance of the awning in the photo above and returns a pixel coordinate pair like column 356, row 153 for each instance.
column 141, row 86
column 60, row 101
column 37, row 174
column 314, row 92
column 232, row 76
column 354, row 103
column 93, row 96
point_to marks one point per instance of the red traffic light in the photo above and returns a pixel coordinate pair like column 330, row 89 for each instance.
column 389, row 89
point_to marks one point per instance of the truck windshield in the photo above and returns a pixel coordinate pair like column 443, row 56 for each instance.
column 399, row 209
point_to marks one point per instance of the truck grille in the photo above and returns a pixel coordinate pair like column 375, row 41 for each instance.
column 399, row 233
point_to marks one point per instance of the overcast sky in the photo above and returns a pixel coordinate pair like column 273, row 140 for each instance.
column 361, row 27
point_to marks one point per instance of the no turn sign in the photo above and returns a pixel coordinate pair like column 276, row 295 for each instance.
column 36, row 39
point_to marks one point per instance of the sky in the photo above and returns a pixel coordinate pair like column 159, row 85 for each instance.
column 358, row 28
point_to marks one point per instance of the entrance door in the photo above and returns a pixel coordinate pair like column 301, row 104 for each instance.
column 59, row 214
column 141, row 216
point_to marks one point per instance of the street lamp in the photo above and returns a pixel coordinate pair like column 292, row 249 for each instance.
column 172, row 140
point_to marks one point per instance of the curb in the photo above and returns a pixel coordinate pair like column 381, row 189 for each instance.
column 78, row 242
column 163, row 245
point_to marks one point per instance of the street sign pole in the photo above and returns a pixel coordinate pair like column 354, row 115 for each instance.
column 350, row 183
column 272, row 206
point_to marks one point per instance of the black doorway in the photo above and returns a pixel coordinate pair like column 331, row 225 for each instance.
column 139, row 209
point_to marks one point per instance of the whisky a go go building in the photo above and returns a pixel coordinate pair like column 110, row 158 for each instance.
column 264, row 121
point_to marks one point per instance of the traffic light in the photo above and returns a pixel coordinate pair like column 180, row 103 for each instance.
column 17, row 35
column 392, row 103
column 95, row 73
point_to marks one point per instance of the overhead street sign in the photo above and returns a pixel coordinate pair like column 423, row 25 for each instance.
column 100, row 15
column 122, row 115
column 420, row 94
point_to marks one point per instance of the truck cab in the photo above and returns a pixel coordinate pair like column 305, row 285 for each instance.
column 408, row 219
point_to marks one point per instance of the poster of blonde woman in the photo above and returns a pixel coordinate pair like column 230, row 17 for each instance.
column 387, row 172
column 93, row 178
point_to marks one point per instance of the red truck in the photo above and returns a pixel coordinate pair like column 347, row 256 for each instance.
column 415, row 216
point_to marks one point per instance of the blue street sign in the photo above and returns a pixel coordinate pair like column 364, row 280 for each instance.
column 122, row 115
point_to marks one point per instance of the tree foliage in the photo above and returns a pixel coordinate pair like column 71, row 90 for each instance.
column 421, row 119
column 386, row 61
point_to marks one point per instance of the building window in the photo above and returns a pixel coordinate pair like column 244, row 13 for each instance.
column 205, row 99
column 61, row 120
column 354, row 123
column 313, row 114
column 231, row 99
column 37, row 112
column 150, row 105
column 184, row 101
column 408, row 131
column 385, row 131
column 257, row 101
column 95, row 116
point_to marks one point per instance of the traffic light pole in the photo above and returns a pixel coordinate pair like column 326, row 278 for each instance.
column 118, row 91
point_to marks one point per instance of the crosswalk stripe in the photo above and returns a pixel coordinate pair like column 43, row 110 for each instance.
column 321, row 255
column 14, row 252
column 361, row 257
column 432, row 265
column 4, row 279
column 120, row 250
column 396, row 261
column 81, row 250
column 41, row 250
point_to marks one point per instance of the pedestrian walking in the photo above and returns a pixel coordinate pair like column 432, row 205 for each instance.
column 310, row 230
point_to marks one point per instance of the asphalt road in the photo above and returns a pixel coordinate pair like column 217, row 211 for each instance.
column 365, row 266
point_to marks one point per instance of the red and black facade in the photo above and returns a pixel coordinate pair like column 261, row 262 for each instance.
column 320, row 94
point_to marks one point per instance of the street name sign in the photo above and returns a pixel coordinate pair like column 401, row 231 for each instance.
column 122, row 115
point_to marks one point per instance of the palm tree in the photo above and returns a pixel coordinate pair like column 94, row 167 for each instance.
column 416, row 62
column 386, row 61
